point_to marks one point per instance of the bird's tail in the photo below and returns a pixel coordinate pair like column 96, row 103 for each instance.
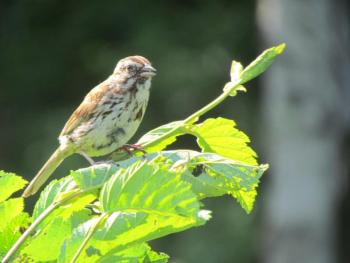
column 49, row 167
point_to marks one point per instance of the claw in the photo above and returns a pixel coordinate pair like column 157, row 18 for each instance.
column 129, row 148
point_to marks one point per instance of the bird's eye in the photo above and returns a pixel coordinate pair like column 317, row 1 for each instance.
column 130, row 67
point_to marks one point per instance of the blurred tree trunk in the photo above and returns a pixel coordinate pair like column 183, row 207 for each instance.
column 305, row 107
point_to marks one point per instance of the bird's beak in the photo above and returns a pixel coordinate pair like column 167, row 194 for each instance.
column 148, row 71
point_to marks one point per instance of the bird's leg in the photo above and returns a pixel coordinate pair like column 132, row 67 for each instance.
column 129, row 147
column 88, row 158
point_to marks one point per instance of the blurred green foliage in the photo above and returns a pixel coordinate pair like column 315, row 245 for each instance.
column 53, row 52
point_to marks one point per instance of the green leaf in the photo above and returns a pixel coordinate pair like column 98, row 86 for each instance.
column 94, row 176
column 9, row 210
column 10, row 183
column 148, row 188
column 12, row 221
column 12, row 218
column 150, row 201
column 220, row 136
column 213, row 175
column 235, row 73
column 238, row 180
column 155, row 134
column 261, row 63
column 152, row 256
column 74, row 241
column 123, row 230
column 54, row 192
column 138, row 253
column 210, row 174
column 46, row 244
column 12, row 231
column 232, row 88
column 51, row 193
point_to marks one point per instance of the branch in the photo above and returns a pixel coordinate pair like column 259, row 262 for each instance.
column 195, row 116
column 92, row 230
column 37, row 221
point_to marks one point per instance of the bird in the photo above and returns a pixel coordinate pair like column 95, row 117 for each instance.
column 106, row 119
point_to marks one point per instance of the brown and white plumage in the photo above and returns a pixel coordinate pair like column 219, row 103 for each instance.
column 106, row 119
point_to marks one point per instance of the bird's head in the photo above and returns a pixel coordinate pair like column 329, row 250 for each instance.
column 135, row 66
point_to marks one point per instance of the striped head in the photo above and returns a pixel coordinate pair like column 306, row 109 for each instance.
column 135, row 66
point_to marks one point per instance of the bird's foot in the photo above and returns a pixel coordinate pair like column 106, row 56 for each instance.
column 129, row 148
column 109, row 162
column 88, row 158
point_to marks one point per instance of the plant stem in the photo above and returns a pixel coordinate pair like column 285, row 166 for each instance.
column 36, row 222
column 29, row 230
column 88, row 236
column 193, row 118
column 166, row 135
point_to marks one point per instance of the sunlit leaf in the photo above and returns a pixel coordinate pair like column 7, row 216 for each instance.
column 10, row 183
column 261, row 63
column 220, row 136
column 46, row 244
column 238, row 180
column 155, row 201
column 51, row 193
column 12, row 217
column 213, row 175
column 137, row 253
column 122, row 230
column 153, row 135
column 145, row 187
column 9, row 210
column 12, row 231
column 54, row 192
column 94, row 176
column 233, row 88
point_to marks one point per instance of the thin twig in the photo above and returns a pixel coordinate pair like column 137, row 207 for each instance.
column 36, row 222
column 29, row 230
column 88, row 236
column 192, row 118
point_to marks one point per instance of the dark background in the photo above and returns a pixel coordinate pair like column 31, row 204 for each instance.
column 53, row 52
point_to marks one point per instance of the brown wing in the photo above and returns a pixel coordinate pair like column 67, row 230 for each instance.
column 86, row 108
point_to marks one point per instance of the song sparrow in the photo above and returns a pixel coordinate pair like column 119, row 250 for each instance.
column 106, row 119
